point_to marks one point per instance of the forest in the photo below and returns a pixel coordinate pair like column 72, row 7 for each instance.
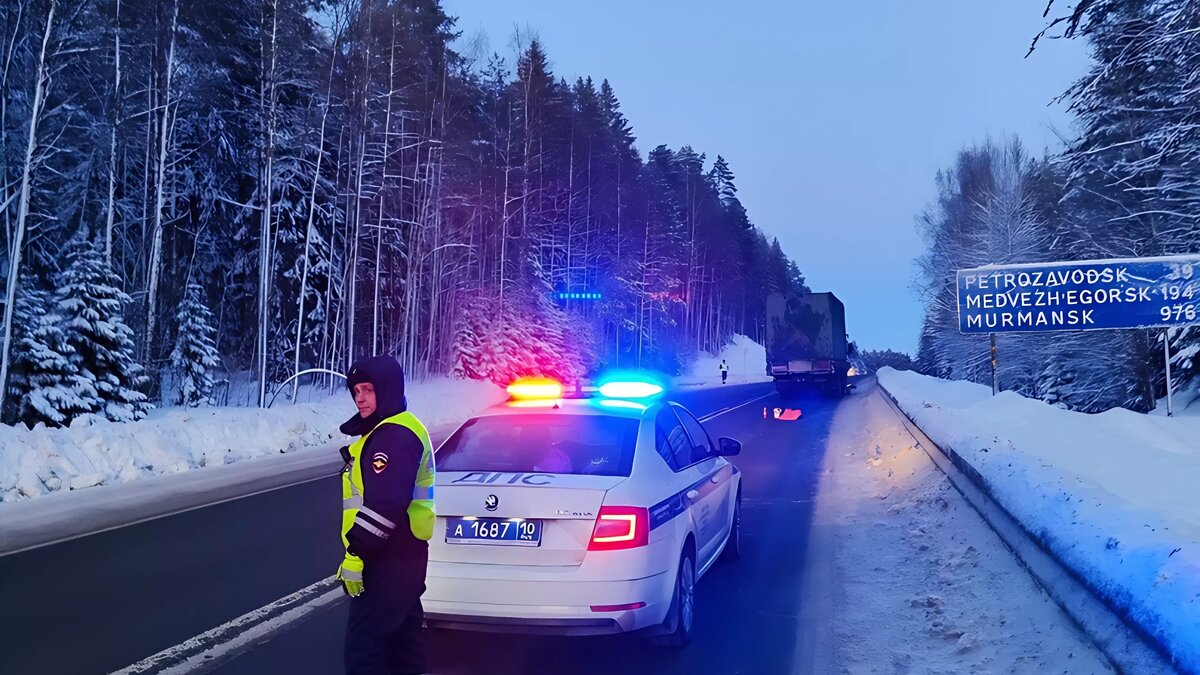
column 192, row 190
column 1126, row 184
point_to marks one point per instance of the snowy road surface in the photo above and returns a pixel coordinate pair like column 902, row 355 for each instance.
column 858, row 557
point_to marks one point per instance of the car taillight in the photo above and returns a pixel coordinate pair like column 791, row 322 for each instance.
column 620, row 527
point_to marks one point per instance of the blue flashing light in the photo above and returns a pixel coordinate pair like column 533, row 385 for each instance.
column 630, row 389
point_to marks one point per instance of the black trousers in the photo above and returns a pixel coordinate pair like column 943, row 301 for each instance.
column 383, row 635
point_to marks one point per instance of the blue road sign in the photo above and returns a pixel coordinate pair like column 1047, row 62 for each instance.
column 1080, row 295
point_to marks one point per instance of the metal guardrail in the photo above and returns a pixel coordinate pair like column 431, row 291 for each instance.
column 1129, row 647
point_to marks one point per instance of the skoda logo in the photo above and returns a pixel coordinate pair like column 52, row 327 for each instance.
column 491, row 503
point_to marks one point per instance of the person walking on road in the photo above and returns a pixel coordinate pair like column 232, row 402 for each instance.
column 724, row 371
column 387, row 521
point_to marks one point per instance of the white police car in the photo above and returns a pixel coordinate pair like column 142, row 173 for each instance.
column 580, row 516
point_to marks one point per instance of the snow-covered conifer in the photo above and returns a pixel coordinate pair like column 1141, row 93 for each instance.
column 195, row 353
column 89, row 302
column 46, row 386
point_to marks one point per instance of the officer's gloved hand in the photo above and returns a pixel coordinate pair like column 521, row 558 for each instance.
column 351, row 575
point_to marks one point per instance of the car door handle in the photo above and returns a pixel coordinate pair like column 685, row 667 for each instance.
column 692, row 494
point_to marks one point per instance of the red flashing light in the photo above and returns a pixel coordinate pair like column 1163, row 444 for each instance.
column 620, row 527
column 535, row 388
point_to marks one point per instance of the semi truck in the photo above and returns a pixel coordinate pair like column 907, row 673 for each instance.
column 807, row 344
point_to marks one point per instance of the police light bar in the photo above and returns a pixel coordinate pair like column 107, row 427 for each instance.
column 630, row 389
column 535, row 388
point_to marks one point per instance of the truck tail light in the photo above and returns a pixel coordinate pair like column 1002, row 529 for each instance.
column 620, row 527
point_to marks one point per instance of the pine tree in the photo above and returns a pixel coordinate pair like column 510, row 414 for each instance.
column 722, row 177
column 47, row 386
column 373, row 181
column 100, row 345
column 195, row 352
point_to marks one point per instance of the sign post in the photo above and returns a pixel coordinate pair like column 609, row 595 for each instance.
column 1080, row 295
column 995, row 386
column 1167, row 355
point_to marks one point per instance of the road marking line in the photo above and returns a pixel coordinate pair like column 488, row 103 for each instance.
column 734, row 407
column 209, row 648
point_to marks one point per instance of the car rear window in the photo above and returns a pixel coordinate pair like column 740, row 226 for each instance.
column 560, row 444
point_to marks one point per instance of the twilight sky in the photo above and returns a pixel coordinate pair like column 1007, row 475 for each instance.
column 834, row 116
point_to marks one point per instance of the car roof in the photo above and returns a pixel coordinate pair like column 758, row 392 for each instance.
column 593, row 406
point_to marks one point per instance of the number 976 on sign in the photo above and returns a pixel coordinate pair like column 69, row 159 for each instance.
column 1178, row 312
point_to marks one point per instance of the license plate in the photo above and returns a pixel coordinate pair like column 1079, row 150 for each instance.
column 502, row 531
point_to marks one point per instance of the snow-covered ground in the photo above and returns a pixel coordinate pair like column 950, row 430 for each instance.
column 94, row 452
column 1115, row 496
column 174, row 440
column 915, row 581
column 746, row 360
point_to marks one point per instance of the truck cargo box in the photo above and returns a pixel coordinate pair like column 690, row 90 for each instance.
column 807, row 326
column 806, row 342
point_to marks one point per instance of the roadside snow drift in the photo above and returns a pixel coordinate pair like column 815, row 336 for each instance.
column 747, row 361
column 1116, row 495
column 172, row 440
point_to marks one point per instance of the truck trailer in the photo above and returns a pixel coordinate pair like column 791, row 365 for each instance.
column 807, row 344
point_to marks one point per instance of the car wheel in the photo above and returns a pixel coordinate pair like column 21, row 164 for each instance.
column 683, row 605
column 733, row 545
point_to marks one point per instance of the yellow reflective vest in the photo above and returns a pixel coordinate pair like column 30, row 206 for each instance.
column 420, row 510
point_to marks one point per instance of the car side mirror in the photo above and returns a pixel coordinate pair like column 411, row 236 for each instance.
column 727, row 447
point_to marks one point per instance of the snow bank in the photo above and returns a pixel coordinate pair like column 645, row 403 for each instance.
column 746, row 360
column 1116, row 495
column 173, row 440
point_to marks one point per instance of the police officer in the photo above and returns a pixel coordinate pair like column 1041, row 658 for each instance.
column 387, row 521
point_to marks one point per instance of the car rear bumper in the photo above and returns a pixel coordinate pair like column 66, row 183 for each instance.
column 606, row 626
column 559, row 606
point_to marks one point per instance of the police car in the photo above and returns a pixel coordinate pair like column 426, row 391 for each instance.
column 580, row 515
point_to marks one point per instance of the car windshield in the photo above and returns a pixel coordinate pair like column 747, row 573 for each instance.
column 561, row 444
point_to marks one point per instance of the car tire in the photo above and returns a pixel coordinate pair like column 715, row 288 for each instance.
column 683, row 605
column 733, row 544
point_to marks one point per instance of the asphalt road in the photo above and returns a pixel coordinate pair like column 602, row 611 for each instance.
column 101, row 602
column 750, row 614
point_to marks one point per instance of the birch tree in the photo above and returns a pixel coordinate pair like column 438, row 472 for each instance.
column 166, row 123
column 268, row 102
column 114, row 122
column 41, row 83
